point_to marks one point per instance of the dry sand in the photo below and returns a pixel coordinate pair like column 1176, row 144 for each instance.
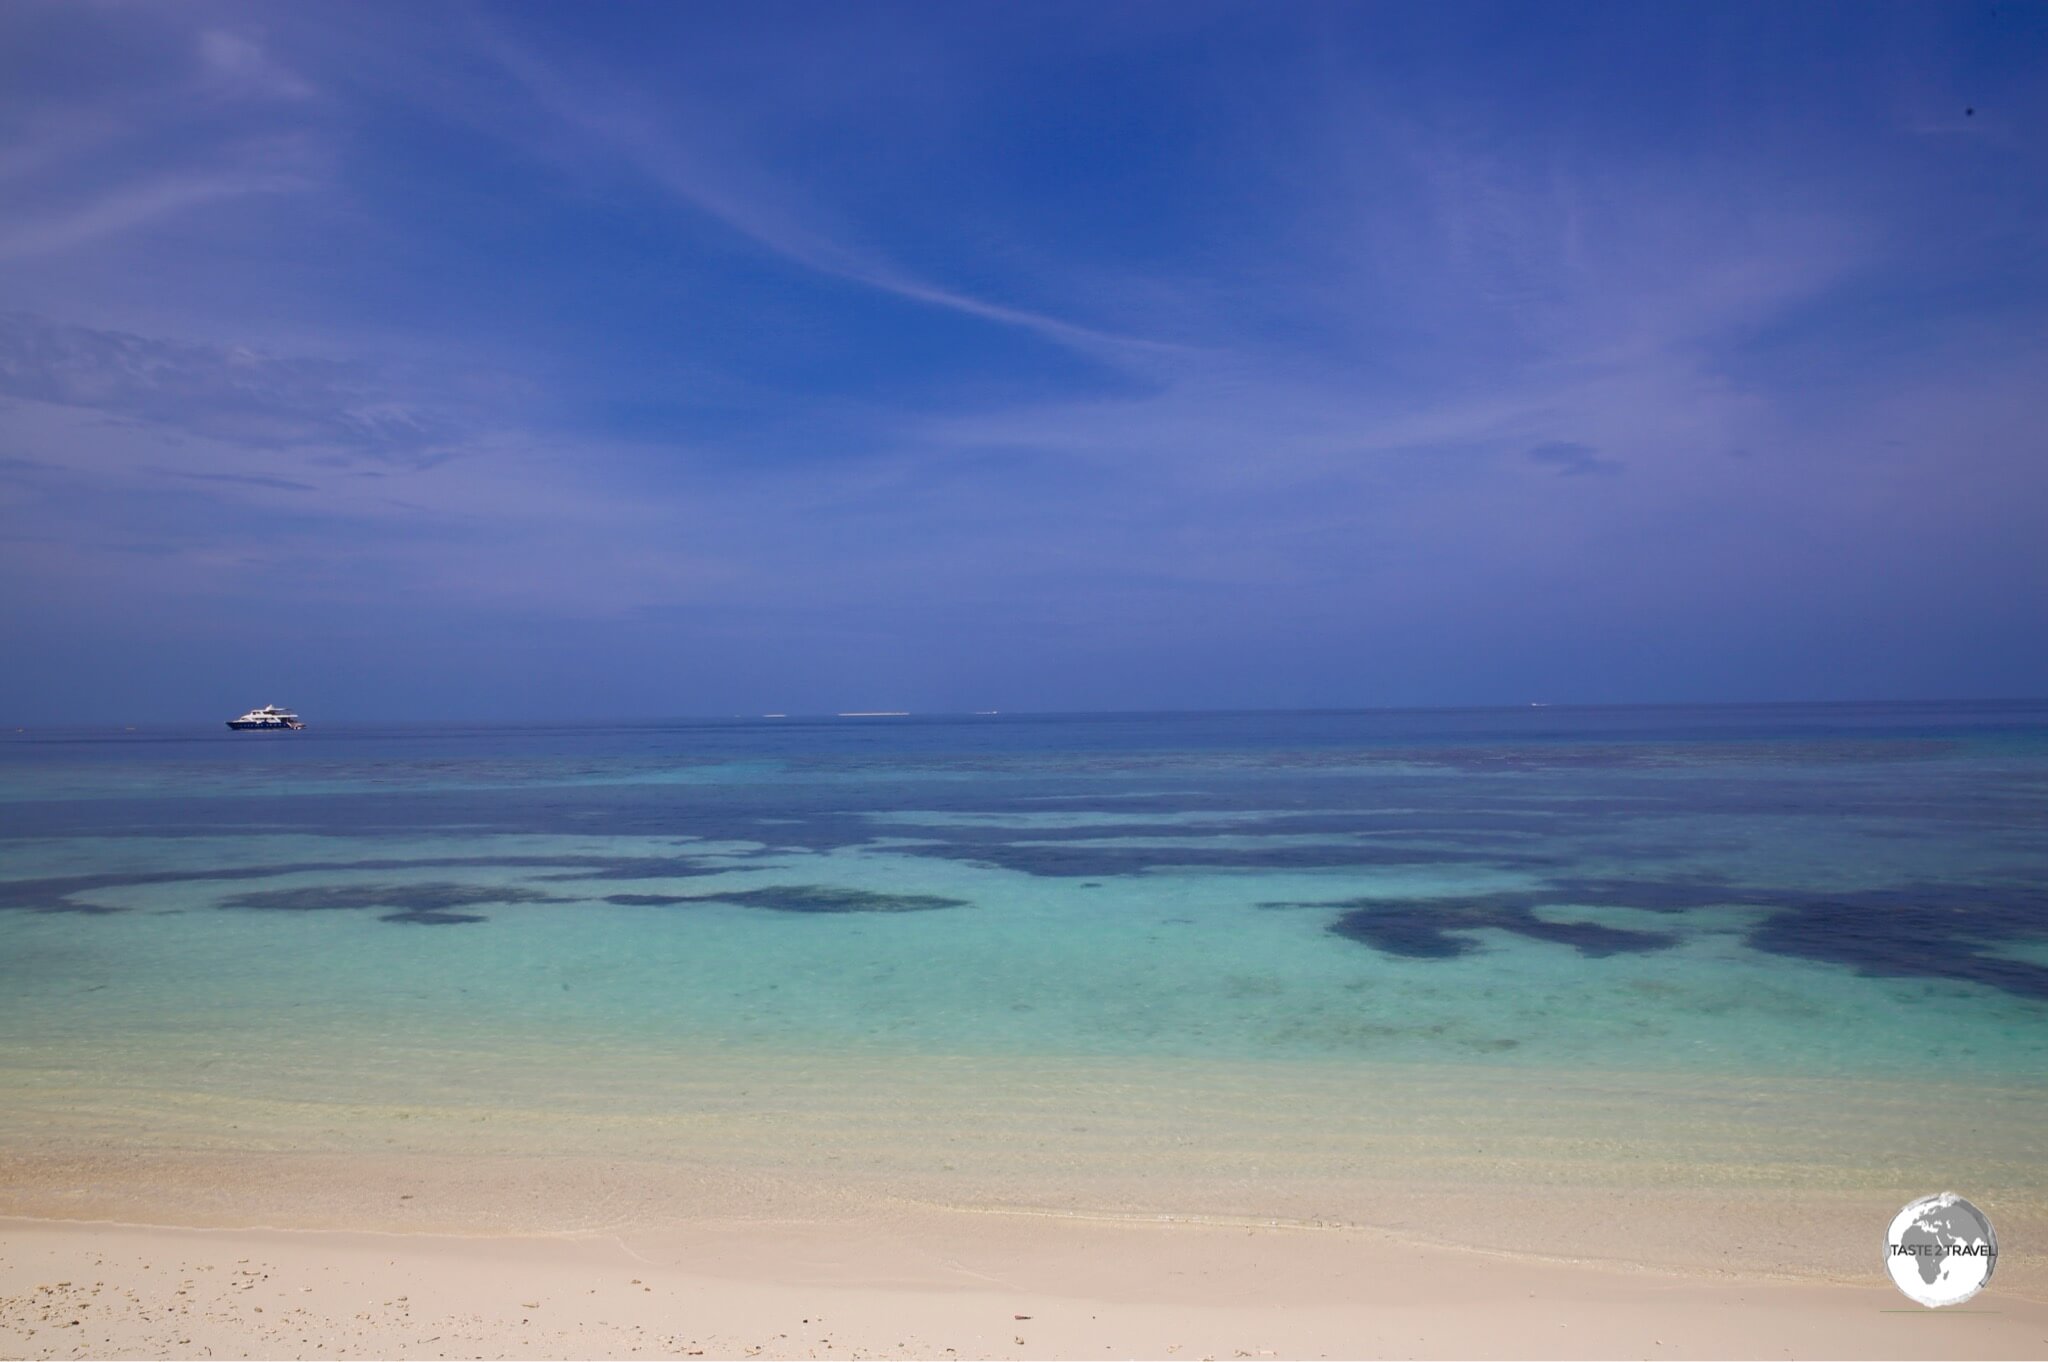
column 926, row 1284
column 117, row 1248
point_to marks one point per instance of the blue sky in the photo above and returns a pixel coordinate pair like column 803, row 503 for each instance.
column 527, row 361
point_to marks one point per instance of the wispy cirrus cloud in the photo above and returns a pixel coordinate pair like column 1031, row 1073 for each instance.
column 240, row 396
column 132, row 205
column 114, row 128
column 768, row 214
column 238, row 64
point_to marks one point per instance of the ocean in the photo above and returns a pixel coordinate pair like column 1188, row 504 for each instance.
column 1230, row 964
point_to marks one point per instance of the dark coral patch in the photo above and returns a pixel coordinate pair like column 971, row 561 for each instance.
column 1588, row 938
column 427, row 917
column 635, row 868
column 405, row 898
column 78, row 906
column 1919, row 930
column 822, row 898
column 58, row 895
column 62, row 894
column 1924, row 930
column 1402, row 930
column 1083, row 860
column 1439, row 929
column 50, row 896
column 798, row 898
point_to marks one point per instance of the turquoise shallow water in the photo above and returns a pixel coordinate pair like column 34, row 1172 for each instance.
column 574, row 919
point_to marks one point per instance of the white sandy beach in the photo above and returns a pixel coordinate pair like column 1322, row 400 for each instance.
column 246, row 1253
column 925, row 1286
column 231, row 1232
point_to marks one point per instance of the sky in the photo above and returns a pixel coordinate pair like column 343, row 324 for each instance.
column 530, row 361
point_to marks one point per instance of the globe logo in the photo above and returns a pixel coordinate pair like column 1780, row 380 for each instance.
column 1940, row 1250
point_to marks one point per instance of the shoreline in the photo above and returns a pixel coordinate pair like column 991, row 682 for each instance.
column 1671, row 1172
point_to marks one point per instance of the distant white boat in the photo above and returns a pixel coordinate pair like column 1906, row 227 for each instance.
column 270, row 716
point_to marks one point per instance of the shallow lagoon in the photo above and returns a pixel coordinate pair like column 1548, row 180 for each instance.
column 1057, row 957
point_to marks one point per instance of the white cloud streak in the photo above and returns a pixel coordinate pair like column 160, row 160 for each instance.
column 237, row 64
column 692, row 178
column 131, row 206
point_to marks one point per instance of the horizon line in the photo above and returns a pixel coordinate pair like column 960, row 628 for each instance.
column 13, row 728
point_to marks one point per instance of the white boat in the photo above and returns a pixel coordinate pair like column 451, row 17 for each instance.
column 270, row 716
